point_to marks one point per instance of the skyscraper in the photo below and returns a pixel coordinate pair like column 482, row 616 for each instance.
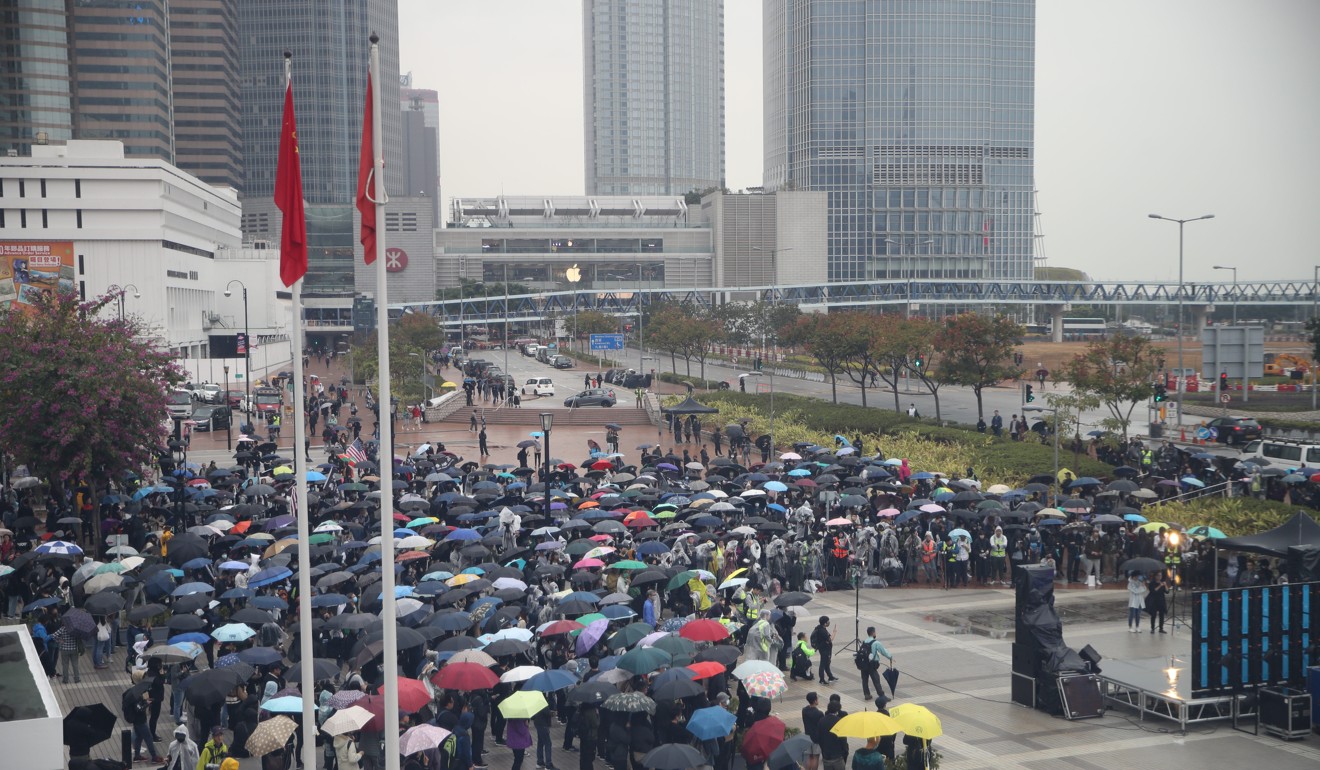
column 654, row 96
column 208, row 139
column 34, row 74
column 421, row 144
column 917, row 118
column 330, row 44
column 120, row 67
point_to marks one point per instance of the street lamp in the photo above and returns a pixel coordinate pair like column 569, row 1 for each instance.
column 1235, row 289
column 547, row 422
column 121, row 291
column 247, row 342
column 1315, row 288
column 1181, row 374
column 229, row 424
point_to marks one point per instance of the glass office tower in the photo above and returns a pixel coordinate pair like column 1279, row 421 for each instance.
column 916, row 116
column 653, row 72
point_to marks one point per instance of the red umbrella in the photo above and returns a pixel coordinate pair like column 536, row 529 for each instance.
column 561, row 627
column 762, row 739
column 706, row 669
column 639, row 520
column 465, row 677
column 703, row 630
column 602, row 465
column 376, row 705
column 413, row 695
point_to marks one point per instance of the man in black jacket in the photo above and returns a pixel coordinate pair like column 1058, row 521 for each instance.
column 811, row 715
column 833, row 749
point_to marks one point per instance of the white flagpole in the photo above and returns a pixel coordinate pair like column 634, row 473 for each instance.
column 300, row 463
column 386, row 452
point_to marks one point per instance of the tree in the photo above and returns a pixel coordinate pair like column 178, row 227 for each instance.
column 406, row 362
column 922, row 357
column 664, row 332
column 589, row 322
column 853, row 333
column 82, row 397
column 1119, row 371
column 977, row 352
column 701, row 331
column 815, row 332
column 419, row 332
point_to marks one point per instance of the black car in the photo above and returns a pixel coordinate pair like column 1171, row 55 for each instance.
column 1235, row 430
column 208, row 415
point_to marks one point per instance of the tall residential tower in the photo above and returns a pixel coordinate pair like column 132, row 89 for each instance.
column 654, row 96
column 916, row 116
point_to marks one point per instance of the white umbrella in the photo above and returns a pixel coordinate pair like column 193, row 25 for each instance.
column 521, row 673
column 414, row 541
column 508, row 582
column 346, row 720
column 749, row 667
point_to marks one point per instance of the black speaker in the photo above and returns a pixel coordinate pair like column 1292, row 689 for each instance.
column 1035, row 585
column 1303, row 563
column 1027, row 657
column 1092, row 658
column 1080, row 697
column 1023, row 690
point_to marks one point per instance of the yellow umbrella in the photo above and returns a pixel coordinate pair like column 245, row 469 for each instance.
column 448, row 385
column 462, row 578
column 283, row 470
column 916, row 721
column 1154, row 526
column 866, row 725
column 523, row 704
column 735, row 573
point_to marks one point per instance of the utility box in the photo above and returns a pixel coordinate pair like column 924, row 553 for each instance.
column 1237, row 350
column 1285, row 712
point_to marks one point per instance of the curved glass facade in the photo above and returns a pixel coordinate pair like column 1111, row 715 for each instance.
column 917, row 117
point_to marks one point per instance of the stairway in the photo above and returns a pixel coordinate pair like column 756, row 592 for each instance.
column 530, row 416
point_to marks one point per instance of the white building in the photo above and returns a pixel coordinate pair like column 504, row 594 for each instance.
column 83, row 216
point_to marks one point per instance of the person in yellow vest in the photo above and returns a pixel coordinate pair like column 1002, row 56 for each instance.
column 165, row 538
column 998, row 555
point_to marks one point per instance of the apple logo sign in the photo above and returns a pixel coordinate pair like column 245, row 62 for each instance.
column 573, row 274
column 395, row 260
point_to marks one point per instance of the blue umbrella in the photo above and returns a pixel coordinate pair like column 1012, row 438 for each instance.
column 270, row 576
column 775, row 486
column 187, row 589
column 652, row 548
column 235, row 566
column 1192, row 481
column 201, row 562
column 711, row 723
column 260, row 656
column 287, row 704
column 328, row 600
column 315, row 476
column 238, row 593
column 1138, row 518
column 227, row 660
column 1050, row 523
column 551, row 681
column 192, row 636
column 923, row 476
column 618, row 612
column 49, row 601
column 269, row 603
column 463, row 534
column 581, row 596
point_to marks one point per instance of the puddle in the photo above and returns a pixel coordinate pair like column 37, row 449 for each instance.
column 1000, row 624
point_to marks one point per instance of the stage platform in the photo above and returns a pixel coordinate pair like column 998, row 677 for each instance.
column 1161, row 687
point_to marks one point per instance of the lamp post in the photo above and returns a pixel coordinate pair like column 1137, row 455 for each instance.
column 506, row 324
column 229, row 424
column 1235, row 289
column 547, row 422
column 247, row 343
column 1181, row 374
column 121, row 291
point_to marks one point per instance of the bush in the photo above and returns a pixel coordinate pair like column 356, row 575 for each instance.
column 697, row 382
column 1232, row 515
column 926, row 445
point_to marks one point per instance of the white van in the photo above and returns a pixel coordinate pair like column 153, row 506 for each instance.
column 541, row 386
column 1284, row 453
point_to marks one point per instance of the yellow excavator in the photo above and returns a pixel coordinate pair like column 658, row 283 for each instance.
column 1286, row 365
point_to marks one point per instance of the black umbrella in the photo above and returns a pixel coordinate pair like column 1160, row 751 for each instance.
column 104, row 603
column 185, row 623
column 503, row 647
column 80, row 622
column 139, row 614
column 252, row 616
column 458, row 644
column 1141, row 564
column 673, row 756
column 212, row 686
column 86, row 726
column 676, row 689
column 721, row 653
column 792, row 599
column 592, row 692
column 261, row 656
column 186, row 547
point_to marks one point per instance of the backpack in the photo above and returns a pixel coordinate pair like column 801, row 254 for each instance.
column 862, row 658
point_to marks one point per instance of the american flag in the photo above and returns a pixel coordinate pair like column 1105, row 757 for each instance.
column 356, row 454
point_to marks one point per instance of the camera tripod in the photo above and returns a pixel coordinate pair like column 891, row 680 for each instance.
column 855, row 574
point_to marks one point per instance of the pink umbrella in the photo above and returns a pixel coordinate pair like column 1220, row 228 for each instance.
column 591, row 634
column 589, row 563
column 887, row 512
column 650, row 639
column 423, row 737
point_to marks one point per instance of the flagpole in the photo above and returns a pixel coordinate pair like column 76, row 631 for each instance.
column 385, row 452
column 308, row 684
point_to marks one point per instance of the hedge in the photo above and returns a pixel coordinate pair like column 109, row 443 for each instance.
column 927, row 445
column 696, row 382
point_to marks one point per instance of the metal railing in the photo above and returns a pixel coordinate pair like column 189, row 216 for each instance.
column 1222, row 489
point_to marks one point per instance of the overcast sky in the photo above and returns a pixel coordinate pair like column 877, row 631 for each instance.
column 1174, row 107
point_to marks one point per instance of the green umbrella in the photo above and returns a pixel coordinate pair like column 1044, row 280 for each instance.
column 680, row 579
column 321, row 537
column 644, row 660
column 523, row 704
column 627, row 564
column 586, row 620
column 355, row 487
column 1204, row 531
column 630, row 635
column 676, row 645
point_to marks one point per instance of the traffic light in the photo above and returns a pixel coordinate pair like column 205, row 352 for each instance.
column 1223, row 382
column 1031, row 393
column 920, row 361
column 758, row 363
column 1161, row 393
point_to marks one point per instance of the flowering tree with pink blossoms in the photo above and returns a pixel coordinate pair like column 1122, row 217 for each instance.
column 82, row 396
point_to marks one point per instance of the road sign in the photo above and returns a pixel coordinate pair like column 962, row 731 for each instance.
column 1223, row 398
column 607, row 342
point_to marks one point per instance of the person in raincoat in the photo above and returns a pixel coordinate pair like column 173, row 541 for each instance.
column 183, row 753
column 763, row 641
column 700, row 599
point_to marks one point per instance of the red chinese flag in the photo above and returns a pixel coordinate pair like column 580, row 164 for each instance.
column 289, row 198
column 367, row 165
